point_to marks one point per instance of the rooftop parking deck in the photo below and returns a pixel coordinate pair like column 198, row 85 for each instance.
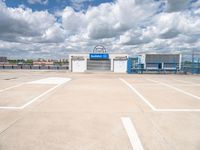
column 98, row 111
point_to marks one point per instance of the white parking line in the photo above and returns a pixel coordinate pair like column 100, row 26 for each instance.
column 177, row 110
column 64, row 80
column 196, row 78
column 43, row 94
column 11, row 87
column 138, row 94
column 50, row 80
column 132, row 134
column 9, row 107
column 175, row 88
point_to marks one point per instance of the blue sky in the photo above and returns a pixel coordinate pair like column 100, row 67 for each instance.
column 55, row 28
column 53, row 5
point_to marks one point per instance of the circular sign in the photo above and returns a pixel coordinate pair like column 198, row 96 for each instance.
column 99, row 49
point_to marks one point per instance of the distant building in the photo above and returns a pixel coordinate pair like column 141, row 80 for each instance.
column 43, row 62
column 110, row 62
column 98, row 60
column 3, row 59
column 161, row 61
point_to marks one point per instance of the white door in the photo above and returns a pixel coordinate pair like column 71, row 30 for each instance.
column 78, row 65
column 120, row 66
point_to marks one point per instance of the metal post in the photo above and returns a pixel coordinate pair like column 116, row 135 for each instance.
column 175, row 65
column 193, row 61
column 198, row 65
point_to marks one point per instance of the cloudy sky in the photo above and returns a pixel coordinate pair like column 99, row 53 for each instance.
column 55, row 28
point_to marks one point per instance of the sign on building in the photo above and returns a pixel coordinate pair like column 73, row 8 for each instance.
column 99, row 56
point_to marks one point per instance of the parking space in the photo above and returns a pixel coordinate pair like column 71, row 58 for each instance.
column 101, row 111
column 92, row 95
column 163, row 95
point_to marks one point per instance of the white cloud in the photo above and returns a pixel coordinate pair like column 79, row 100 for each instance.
column 109, row 19
column 172, row 24
column 177, row 5
column 196, row 4
column 73, row 21
column 112, row 19
column 54, row 34
column 24, row 25
column 138, row 36
column 79, row 4
column 131, row 26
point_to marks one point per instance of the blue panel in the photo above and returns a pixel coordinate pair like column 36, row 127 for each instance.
column 129, row 66
column 99, row 56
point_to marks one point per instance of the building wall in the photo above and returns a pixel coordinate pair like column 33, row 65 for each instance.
column 85, row 56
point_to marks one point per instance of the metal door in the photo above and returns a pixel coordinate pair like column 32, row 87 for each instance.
column 99, row 65
column 78, row 66
column 120, row 66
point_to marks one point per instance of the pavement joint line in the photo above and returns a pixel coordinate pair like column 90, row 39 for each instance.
column 34, row 99
column 10, row 125
column 175, row 88
column 132, row 133
column 138, row 94
column 11, row 87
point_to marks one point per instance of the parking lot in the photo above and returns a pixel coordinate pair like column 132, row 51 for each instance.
column 58, row 110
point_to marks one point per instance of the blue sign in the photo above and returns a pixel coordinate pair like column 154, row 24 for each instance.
column 99, row 56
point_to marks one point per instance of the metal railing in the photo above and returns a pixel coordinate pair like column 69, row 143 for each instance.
column 35, row 67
